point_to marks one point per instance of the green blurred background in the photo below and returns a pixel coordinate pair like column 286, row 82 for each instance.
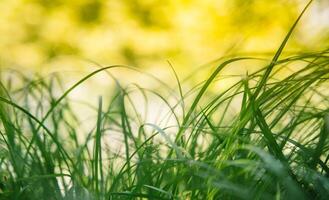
column 55, row 35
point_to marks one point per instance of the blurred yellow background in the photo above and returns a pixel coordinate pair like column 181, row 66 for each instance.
column 53, row 35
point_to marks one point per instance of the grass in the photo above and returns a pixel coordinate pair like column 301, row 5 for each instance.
column 264, row 137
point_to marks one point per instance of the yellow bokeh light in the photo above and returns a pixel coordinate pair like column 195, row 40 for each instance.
column 35, row 34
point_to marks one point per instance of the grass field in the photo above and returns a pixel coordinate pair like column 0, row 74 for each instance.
column 266, row 136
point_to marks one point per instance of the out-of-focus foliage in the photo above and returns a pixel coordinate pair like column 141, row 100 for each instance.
column 46, row 34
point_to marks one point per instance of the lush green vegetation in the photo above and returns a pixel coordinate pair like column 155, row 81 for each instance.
column 275, row 145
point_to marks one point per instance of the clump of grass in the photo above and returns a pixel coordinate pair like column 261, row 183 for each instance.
column 274, row 145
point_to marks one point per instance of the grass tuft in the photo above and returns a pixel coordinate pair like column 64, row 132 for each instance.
column 263, row 137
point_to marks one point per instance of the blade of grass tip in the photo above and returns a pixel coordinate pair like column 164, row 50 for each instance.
column 146, row 100
column 270, row 67
column 98, row 151
column 55, row 104
column 166, row 102
column 202, row 91
column 179, row 87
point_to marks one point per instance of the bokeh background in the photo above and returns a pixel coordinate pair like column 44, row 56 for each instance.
column 55, row 35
